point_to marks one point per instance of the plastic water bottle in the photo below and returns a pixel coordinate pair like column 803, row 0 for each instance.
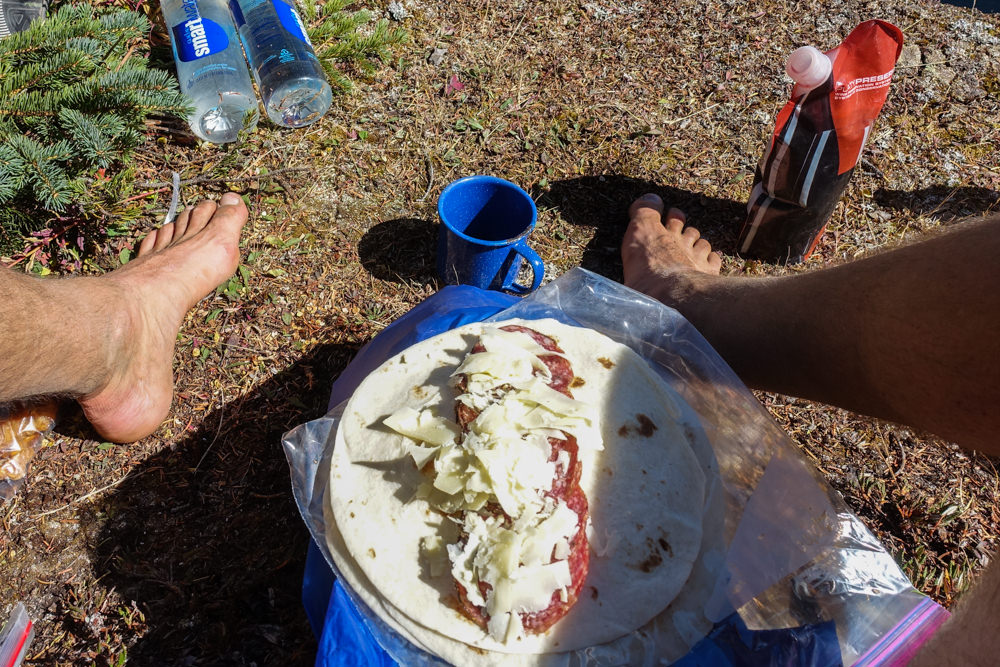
column 292, row 84
column 211, row 67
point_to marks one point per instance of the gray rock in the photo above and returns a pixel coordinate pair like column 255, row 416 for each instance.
column 942, row 75
column 397, row 11
column 909, row 59
column 933, row 56
column 936, row 68
column 966, row 88
column 437, row 56
column 958, row 50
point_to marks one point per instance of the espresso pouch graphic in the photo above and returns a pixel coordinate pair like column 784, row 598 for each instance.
column 817, row 141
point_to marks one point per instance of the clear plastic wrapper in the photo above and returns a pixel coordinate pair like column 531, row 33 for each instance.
column 15, row 637
column 23, row 427
column 790, row 553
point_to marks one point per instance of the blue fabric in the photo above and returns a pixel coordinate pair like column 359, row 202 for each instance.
column 345, row 640
column 731, row 643
column 317, row 585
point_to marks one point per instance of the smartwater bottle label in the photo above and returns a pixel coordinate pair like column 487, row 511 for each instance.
column 290, row 21
column 198, row 36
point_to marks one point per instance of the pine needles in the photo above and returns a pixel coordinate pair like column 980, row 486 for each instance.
column 338, row 39
column 75, row 92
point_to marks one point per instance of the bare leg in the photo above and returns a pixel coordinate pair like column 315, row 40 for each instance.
column 908, row 335
column 969, row 637
column 109, row 340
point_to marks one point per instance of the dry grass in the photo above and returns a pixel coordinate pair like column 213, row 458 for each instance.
column 193, row 552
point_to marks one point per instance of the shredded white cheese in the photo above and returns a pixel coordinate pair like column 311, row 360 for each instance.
column 504, row 458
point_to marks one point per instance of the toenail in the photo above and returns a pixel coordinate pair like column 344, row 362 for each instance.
column 230, row 199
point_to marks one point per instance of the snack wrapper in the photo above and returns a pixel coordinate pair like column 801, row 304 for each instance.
column 794, row 568
column 23, row 427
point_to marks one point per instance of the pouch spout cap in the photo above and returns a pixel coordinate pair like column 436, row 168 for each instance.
column 808, row 66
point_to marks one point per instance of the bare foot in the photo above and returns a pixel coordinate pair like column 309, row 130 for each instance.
column 177, row 265
column 654, row 252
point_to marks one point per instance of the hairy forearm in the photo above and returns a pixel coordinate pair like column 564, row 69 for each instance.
column 909, row 335
column 970, row 636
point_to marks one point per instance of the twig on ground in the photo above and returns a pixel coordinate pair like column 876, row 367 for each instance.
column 691, row 115
column 430, row 176
column 87, row 496
column 210, row 179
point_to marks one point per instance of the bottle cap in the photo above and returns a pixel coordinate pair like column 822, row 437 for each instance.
column 808, row 66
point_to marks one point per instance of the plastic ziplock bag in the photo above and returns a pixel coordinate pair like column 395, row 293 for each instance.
column 792, row 556
column 15, row 637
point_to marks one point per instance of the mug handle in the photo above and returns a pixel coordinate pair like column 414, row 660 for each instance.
column 537, row 270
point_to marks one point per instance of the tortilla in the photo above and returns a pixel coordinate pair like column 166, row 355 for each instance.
column 646, row 491
column 664, row 639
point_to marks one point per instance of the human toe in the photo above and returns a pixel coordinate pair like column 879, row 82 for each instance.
column 715, row 261
column 691, row 234
column 147, row 243
column 231, row 199
column 647, row 202
column 180, row 227
column 701, row 253
column 200, row 216
column 163, row 237
column 231, row 214
column 675, row 221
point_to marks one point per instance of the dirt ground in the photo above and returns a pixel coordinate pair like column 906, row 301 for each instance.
column 186, row 548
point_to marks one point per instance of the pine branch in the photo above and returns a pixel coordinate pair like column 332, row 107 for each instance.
column 48, row 181
column 51, row 73
column 11, row 173
column 338, row 40
column 91, row 140
column 75, row 92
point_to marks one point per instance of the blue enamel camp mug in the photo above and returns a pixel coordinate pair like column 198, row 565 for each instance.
column 485, row 224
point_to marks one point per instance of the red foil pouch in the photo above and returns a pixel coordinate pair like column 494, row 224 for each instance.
column 817, row 141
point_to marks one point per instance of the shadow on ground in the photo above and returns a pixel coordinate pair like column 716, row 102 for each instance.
column 944, row 203
column 602, row 202
column 206, row 538
column 401, row 250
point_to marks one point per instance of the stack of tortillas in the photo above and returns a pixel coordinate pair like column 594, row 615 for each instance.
column 655, row 511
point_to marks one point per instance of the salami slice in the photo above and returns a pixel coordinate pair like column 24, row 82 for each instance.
column 565, row 488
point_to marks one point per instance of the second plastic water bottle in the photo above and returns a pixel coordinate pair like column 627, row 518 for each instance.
column 292, row 84
column 210, row 67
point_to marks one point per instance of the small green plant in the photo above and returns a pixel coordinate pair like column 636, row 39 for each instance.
column 340, row 42
column 75, row 92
